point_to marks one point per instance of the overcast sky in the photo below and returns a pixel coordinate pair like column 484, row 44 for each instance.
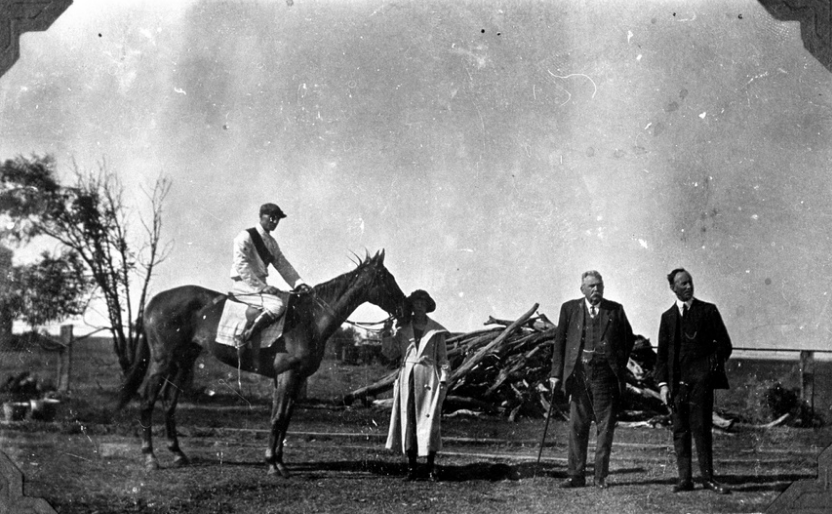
column 495, row 150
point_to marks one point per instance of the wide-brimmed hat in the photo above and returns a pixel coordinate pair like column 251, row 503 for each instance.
column 271, row 209
column 421, row 294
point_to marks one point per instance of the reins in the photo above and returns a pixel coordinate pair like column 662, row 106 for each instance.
column 359, row 324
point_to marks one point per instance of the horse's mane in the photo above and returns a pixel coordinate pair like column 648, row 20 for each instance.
column 336, row 285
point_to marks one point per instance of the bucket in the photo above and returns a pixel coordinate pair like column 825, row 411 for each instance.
column 14, row 411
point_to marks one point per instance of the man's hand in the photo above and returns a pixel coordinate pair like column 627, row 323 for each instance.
column 270, row 290
column 303, row 289
column 664, row 393
column 554, row 383
column 387, row 329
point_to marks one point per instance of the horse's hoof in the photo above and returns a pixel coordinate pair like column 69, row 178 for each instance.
column 279, row 469
column 180, row 461
column 151, row 465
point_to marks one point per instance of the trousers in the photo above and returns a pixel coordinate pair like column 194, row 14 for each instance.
column 594, row 396
column 692, row 418
column 268, row 302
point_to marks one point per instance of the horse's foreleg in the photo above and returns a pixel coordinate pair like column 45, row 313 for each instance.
column 287, row 387
column 170, row 397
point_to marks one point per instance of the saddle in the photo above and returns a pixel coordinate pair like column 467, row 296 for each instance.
column 237, row 314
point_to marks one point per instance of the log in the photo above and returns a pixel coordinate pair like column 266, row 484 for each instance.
column 720, row 422
column 518, row 362
column 463, row 412
column 540, row 323
column 472, row 362
column 782, row 420
column 453, row 403
column 467, row 335
column 506, row 322
column 465, row 346
column 645, row 392
column 554, row 407
column 373, row 389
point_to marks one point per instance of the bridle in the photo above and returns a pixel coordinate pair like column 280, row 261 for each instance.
column 360, row 324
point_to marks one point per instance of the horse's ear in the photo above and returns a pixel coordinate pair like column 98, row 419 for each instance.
column 381, row 256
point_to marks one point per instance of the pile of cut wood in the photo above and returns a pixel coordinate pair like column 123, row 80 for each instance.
column 504, row 370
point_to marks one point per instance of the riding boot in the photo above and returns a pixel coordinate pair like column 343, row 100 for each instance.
column 264, row 319
column 240, row 344
column 433, row 475
column 412, row 466
column 255, row 356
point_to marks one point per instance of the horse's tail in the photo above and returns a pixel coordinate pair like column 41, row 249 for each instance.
column 135, row 376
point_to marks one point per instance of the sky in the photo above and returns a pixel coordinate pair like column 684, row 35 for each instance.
column 494, row 149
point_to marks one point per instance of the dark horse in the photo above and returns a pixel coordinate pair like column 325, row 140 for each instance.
column 179, row 323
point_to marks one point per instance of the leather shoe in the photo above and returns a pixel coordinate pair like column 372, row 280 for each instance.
column 683, row 485
column 716, row 487
column 412, row 475
column 571, row 483
column 601, row 483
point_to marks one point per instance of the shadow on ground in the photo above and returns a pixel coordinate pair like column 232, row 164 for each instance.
column 494, row 472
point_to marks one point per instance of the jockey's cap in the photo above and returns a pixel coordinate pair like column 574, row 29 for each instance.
column 270, row 209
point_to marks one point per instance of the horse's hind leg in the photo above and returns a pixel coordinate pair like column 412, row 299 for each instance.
column 170, row 396
column 287, row 387
column 156, row 380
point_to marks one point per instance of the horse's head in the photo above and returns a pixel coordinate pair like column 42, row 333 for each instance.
column 380, row 286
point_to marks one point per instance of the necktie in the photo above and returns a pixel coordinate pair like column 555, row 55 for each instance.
column 592, row 311
column 684, row 310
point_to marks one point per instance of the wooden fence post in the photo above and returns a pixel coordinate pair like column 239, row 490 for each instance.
column 807, row 378
column 65, row 359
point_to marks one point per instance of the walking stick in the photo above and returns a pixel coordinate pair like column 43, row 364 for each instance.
column 545, row 429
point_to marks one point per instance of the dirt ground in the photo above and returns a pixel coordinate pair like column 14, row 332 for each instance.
column 340, row 465
column 87, row 461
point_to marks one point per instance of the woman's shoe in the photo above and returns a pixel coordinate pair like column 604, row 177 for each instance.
column 412, row 475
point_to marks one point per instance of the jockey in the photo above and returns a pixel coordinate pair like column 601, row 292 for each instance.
column 254, row 250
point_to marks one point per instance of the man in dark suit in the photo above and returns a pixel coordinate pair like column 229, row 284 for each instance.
column 592, row 346
column 693, row 348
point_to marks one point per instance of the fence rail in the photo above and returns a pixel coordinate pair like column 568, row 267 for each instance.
column 792, row 350
column 807, row 369
column 806, row 363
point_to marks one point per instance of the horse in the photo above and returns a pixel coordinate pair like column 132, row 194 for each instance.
column 179, row 323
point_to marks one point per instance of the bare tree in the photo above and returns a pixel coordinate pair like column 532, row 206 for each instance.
column 91, row 219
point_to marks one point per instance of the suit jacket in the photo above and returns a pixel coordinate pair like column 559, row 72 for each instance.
column 615, row 329
column 708, row 330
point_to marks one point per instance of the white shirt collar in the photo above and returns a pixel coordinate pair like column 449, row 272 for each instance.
column 680, row 303
column 589, row 306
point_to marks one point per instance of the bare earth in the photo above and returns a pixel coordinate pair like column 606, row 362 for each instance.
column 88, row 462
